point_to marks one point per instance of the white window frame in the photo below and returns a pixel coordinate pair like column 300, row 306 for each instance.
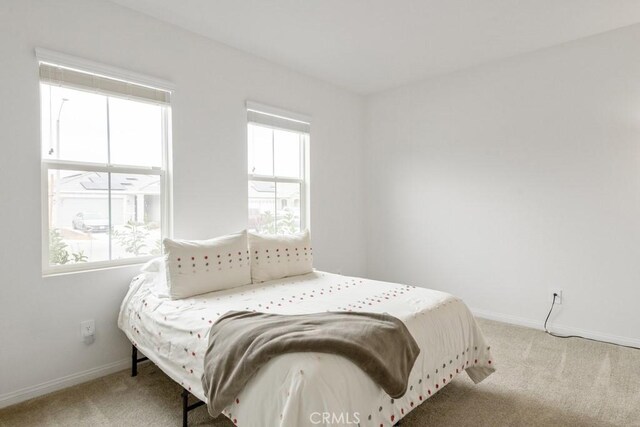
column 305, row 212
column 164, row 172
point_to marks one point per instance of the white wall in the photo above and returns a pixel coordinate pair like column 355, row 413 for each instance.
column 498, row 182
column 39, row 318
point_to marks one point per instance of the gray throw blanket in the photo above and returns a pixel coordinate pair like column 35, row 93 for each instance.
column 241, row 342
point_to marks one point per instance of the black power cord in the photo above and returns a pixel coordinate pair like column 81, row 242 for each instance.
column 553, row 303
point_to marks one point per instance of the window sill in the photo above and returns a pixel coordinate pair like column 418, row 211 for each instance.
column 64, row 270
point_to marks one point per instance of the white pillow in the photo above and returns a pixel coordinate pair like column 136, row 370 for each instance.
column 275, row 256
column 199, row 266
column 155, row 265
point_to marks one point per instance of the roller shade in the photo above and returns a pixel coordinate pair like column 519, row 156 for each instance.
column 277, row 118
column 62, row 76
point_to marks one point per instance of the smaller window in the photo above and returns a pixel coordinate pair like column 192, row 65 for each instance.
column 277, row 165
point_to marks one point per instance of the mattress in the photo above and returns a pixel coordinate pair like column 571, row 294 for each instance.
column 309, row 388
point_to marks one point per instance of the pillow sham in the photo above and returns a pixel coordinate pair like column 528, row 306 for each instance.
column 275, row 256
column 199, row 266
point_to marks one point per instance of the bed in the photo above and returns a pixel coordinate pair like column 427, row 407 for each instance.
column 309, row 388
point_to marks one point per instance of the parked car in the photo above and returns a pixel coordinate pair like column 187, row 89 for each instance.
column 90, row 222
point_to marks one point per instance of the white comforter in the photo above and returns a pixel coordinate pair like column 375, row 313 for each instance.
column 309, row 389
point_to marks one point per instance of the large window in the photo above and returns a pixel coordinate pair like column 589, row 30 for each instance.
column 104, row 169
column 278, row 170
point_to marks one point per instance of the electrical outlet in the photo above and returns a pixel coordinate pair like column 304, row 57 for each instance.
column 88, row 330
column 558, row 297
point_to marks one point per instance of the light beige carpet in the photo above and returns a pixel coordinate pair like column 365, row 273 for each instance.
column 541, row 381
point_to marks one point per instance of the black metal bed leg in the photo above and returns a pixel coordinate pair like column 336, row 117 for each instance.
column 185, row 407
column 134, row 361
column 185, row 393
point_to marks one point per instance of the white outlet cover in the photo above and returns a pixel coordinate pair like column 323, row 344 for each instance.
column 88, row 328
column 558, row 298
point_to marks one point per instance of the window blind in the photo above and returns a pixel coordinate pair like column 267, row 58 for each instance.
column 277, row 118
column 63, row 76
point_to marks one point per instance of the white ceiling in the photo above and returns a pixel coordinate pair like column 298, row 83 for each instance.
column 371, row 45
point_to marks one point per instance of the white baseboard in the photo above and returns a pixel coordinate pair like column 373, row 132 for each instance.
column 559, row 329
column 505, row 318
column 27, row 393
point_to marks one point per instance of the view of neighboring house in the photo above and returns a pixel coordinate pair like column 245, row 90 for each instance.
column 79, row 213
column 134, row 197
column 274, row 206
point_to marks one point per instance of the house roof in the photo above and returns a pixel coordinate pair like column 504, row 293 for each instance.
column 83, row 182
